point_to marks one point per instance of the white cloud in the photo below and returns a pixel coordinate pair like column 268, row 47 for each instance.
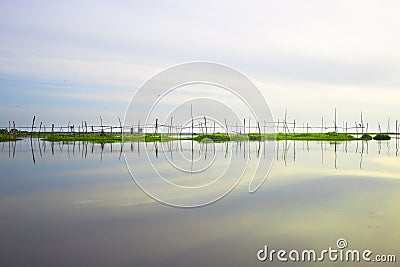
column 320, row 54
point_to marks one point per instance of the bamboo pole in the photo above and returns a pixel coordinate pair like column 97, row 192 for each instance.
column 294, row 126
column 101, row 124
column 15, row 132
column 191, row 114
column 335, row 122
column 322, row 124
column 33, row 125
column 362, row 124
column 120, row 124
column 205, row 123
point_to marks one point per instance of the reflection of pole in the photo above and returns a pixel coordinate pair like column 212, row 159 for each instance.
column 33, row 154
column 284, row 151
column 322, row 124
column 322, row 154
column 362, row 153
column 335, row 155
column 294, row 150
column 15, row 145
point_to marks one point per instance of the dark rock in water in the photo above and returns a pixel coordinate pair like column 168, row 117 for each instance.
column 382, row 137
column 366, row 137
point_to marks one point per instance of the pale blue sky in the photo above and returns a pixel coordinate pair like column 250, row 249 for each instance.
column 71, row 61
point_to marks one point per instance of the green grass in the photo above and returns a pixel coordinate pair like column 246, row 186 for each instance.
column 331, row 136
column 220, row 137
column 111, row 138
column 93, row 138
column 216, row 137
column 7, row 138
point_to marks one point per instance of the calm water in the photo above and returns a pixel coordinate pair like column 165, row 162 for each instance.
column 77, row 204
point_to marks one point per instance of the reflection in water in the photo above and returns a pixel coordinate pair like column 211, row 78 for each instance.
column 74, row 204
column 285, row 150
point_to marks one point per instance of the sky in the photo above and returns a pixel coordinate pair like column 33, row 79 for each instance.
column 77, row 60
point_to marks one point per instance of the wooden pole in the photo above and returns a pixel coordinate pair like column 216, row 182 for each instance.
column 388, row 126
column 191, row 114
column 171, row 127
column 120, row 124
column 284, row 124
column 322, row 124
column 52, row 129
column 335, row 122
column 205, row 123
column 362, row 124
column 294, row 126
column 101, row 124
column 33, row 125
column 277, row 127
column 15, row 132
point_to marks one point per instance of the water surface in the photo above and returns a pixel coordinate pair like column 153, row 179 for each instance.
column 75, row 204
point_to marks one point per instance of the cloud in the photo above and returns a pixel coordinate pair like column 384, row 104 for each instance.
column 310, row 49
